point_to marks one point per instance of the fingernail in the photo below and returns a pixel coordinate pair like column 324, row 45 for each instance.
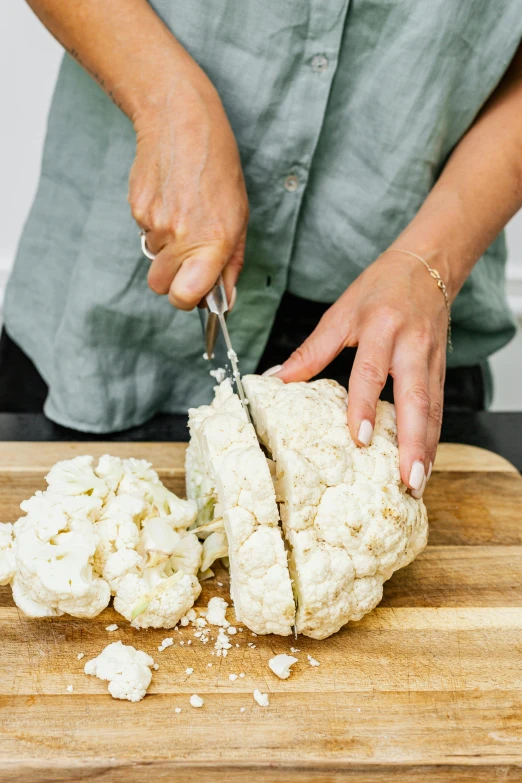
column 429, row 471
column 232, row 299
column 417, row 493
column 365, row 432
column 417, row 475
column 272, row 370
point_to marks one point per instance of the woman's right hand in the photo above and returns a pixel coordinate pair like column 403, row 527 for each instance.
column 187, row 191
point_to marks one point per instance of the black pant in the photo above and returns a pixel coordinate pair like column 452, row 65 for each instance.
column 23, row 390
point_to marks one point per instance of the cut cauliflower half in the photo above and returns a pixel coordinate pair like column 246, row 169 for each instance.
column 227, row 474
column 347, row 516
column 127, row 670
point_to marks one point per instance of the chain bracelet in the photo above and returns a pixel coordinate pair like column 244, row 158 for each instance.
column 440, row 283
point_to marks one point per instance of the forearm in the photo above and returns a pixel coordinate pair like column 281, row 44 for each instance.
column 479, row 190
column 126, row 48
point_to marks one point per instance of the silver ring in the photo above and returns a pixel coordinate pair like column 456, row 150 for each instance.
column 144, row 248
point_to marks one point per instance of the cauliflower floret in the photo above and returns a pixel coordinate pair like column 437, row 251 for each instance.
column 143, row 482
column 347, row 517
column 156, row 597
column 89, row 535
column 118, row 527
column 58, row 573
column 160, row 587
column 7, row 556
column 76, row 477
column 128, row 670
column 228, row 475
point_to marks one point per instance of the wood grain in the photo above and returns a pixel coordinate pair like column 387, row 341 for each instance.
column 427, row 687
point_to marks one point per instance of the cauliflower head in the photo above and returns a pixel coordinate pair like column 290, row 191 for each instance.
column 228, row 475
column 7, row 555
column 347, row 517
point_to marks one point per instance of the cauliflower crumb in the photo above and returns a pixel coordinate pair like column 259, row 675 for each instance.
column 155, row 666
column 231, row 630
column 184, row 621
column 261, row 698
column 80, row 656
column 280, row 665
column 294, row 649
column 69, row 689
column 196, row 701
column 232, row 677
column 312, row 661
column 209, row 665
column 216, row 612
column 190, row 670
column 177, row 709
column 222, row 644
column 242, row 709
column 168, row 642
column 112, row 627
column 242, row 674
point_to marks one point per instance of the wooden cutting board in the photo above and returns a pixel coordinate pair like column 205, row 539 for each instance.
column 428, row 687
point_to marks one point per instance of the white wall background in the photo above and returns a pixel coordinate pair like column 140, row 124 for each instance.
column 29, row 60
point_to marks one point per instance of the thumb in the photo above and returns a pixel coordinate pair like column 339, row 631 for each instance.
column 196, row 276
column 317, row 351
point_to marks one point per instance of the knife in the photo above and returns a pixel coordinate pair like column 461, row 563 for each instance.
column 213, row 315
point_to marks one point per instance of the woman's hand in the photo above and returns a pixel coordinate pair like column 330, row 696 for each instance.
column 186, row 184
column 186, row 189
column 397, row 316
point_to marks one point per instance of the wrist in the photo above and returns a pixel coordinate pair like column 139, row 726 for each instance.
column 436, row 256
column 172, row 97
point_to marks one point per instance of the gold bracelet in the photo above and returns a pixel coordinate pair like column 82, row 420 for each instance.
column 440, row 282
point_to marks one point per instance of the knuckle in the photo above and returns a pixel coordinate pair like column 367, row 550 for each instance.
column 139, row 210
column 436, row 412
column 422, row 340
column 390, row 320
column 371, row 373
column 419, row 398
column 417, row 444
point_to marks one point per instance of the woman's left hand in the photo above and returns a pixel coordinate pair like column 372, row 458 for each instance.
column 397, row 316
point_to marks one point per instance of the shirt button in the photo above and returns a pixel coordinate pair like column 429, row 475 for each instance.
column 319, row 63
column 291, row 183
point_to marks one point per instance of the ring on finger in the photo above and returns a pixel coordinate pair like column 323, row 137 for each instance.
column 144, row 248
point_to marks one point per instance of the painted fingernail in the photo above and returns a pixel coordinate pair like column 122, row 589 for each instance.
column 365, row 432
column 417, row 475
column 272, row 370
column 429, row 471
column 417, row 493
column 232, row 299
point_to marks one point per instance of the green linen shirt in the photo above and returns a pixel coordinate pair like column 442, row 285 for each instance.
column 345, row 112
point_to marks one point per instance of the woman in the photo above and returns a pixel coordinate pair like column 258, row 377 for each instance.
column 371, row 140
